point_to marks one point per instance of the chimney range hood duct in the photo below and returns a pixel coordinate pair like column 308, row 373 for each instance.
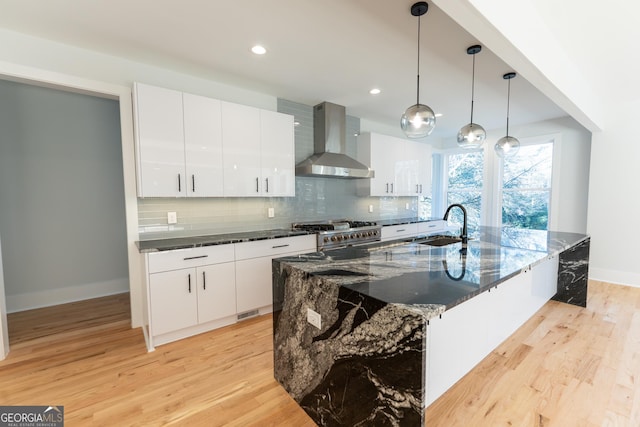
column 329, row 142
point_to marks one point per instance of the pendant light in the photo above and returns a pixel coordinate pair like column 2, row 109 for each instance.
column 418, row 120
column 472, row 135
column 507, row 146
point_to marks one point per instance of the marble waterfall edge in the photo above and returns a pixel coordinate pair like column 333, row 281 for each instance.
column 347, row 373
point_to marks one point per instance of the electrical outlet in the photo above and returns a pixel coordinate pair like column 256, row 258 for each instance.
column 370, row 208
column 406, row 206
column 172, row 218
column 271, row 212
column 314, row 318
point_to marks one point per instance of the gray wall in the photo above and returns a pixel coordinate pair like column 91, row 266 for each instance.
column 62, row 217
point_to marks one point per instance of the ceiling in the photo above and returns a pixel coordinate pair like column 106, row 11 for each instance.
column 333, row 50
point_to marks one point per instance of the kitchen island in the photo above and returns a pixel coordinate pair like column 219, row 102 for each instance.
column 357, row 338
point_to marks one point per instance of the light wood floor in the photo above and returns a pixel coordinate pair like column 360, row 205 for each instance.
column 566, row 367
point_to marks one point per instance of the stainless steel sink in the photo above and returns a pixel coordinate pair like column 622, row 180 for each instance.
column 440, row 240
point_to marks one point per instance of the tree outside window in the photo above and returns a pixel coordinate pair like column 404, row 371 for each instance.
column 526, row 189
column 464, row 186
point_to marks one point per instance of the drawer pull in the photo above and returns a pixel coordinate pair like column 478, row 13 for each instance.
column 204, row 281
column 432, row 225
column 179, row 184
column 195, row 257
column 401, row 230
column 189, row 280
column 279, row 246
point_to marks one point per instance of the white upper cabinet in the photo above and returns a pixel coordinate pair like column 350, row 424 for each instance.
column 203, row 146
column 259, row 152
column 160, row 142
column 380, row 153
column 419, row 160
column 241, row 144
column 193, row 146
column 277, row 154
column 402, row 167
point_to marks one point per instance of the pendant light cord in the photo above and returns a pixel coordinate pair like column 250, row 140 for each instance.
column 473, row 84
column 418, row 73
column 508, row 98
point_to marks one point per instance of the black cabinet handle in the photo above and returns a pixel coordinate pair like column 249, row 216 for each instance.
column 387, row 187
column 189, row 280
column 257, row 185
column 179, row 184
column 204, row 281
column 392, row 187
column 193, row 183
column 279, row 246
column 195, row 257
column 267, row 181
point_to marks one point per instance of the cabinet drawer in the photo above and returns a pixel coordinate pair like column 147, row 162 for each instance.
column 432, row 226
column 271, row 247
column 192, row 257
column 397, row 231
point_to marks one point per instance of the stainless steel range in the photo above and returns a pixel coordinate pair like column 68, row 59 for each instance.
column 341, row 233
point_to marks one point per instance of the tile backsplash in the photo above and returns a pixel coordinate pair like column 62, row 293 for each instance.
column 316, row 198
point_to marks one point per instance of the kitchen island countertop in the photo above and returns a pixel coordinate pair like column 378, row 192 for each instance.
column 435, row 278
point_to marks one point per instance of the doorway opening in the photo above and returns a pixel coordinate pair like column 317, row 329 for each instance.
column 62, row 199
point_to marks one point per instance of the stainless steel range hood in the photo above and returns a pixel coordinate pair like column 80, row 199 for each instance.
column 329, row 142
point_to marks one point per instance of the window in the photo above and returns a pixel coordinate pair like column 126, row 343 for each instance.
column 526, row 188
column 464, row 185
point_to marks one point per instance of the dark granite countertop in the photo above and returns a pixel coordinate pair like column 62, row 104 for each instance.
column 431, row 278
column 214, row 239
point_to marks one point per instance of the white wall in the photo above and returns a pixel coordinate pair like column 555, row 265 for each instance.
column 517, row 33
column 614, row 198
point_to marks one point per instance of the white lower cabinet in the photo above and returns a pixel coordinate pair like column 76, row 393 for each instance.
column 253, row 269
column 195, row 290
column 464, row 335
column 392, row 232
column 216, row 293
column 174, row 303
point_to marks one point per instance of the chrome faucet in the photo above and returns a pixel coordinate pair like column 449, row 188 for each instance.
column 463, row 236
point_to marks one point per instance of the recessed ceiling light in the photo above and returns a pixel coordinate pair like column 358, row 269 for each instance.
column 438, row 114
column 374, row 91
column 258, row 50
column 296, row 123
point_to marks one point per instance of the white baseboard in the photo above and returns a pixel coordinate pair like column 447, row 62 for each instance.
column 47, row 298
column 614, row 276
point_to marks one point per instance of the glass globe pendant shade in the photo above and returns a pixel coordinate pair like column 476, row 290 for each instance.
column 418, row 121
column 507, row 146
column 471, row 136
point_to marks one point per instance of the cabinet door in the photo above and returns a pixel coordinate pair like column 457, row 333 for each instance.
column 216, row 291
column 418, row 157
column 160, row 141
column 253, row 284
column 174, row 302
column 203, row 146
column 379, row 153
column 277, row 154
column 241, row 144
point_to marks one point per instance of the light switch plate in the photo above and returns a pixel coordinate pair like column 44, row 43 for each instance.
column 172, row 218
column 271, row 212
column 314, row 318
column 370, row 208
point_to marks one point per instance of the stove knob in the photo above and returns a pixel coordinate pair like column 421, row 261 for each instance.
column 361, row 235
column 354, row 236
column 334, row 238
column 326, row 239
